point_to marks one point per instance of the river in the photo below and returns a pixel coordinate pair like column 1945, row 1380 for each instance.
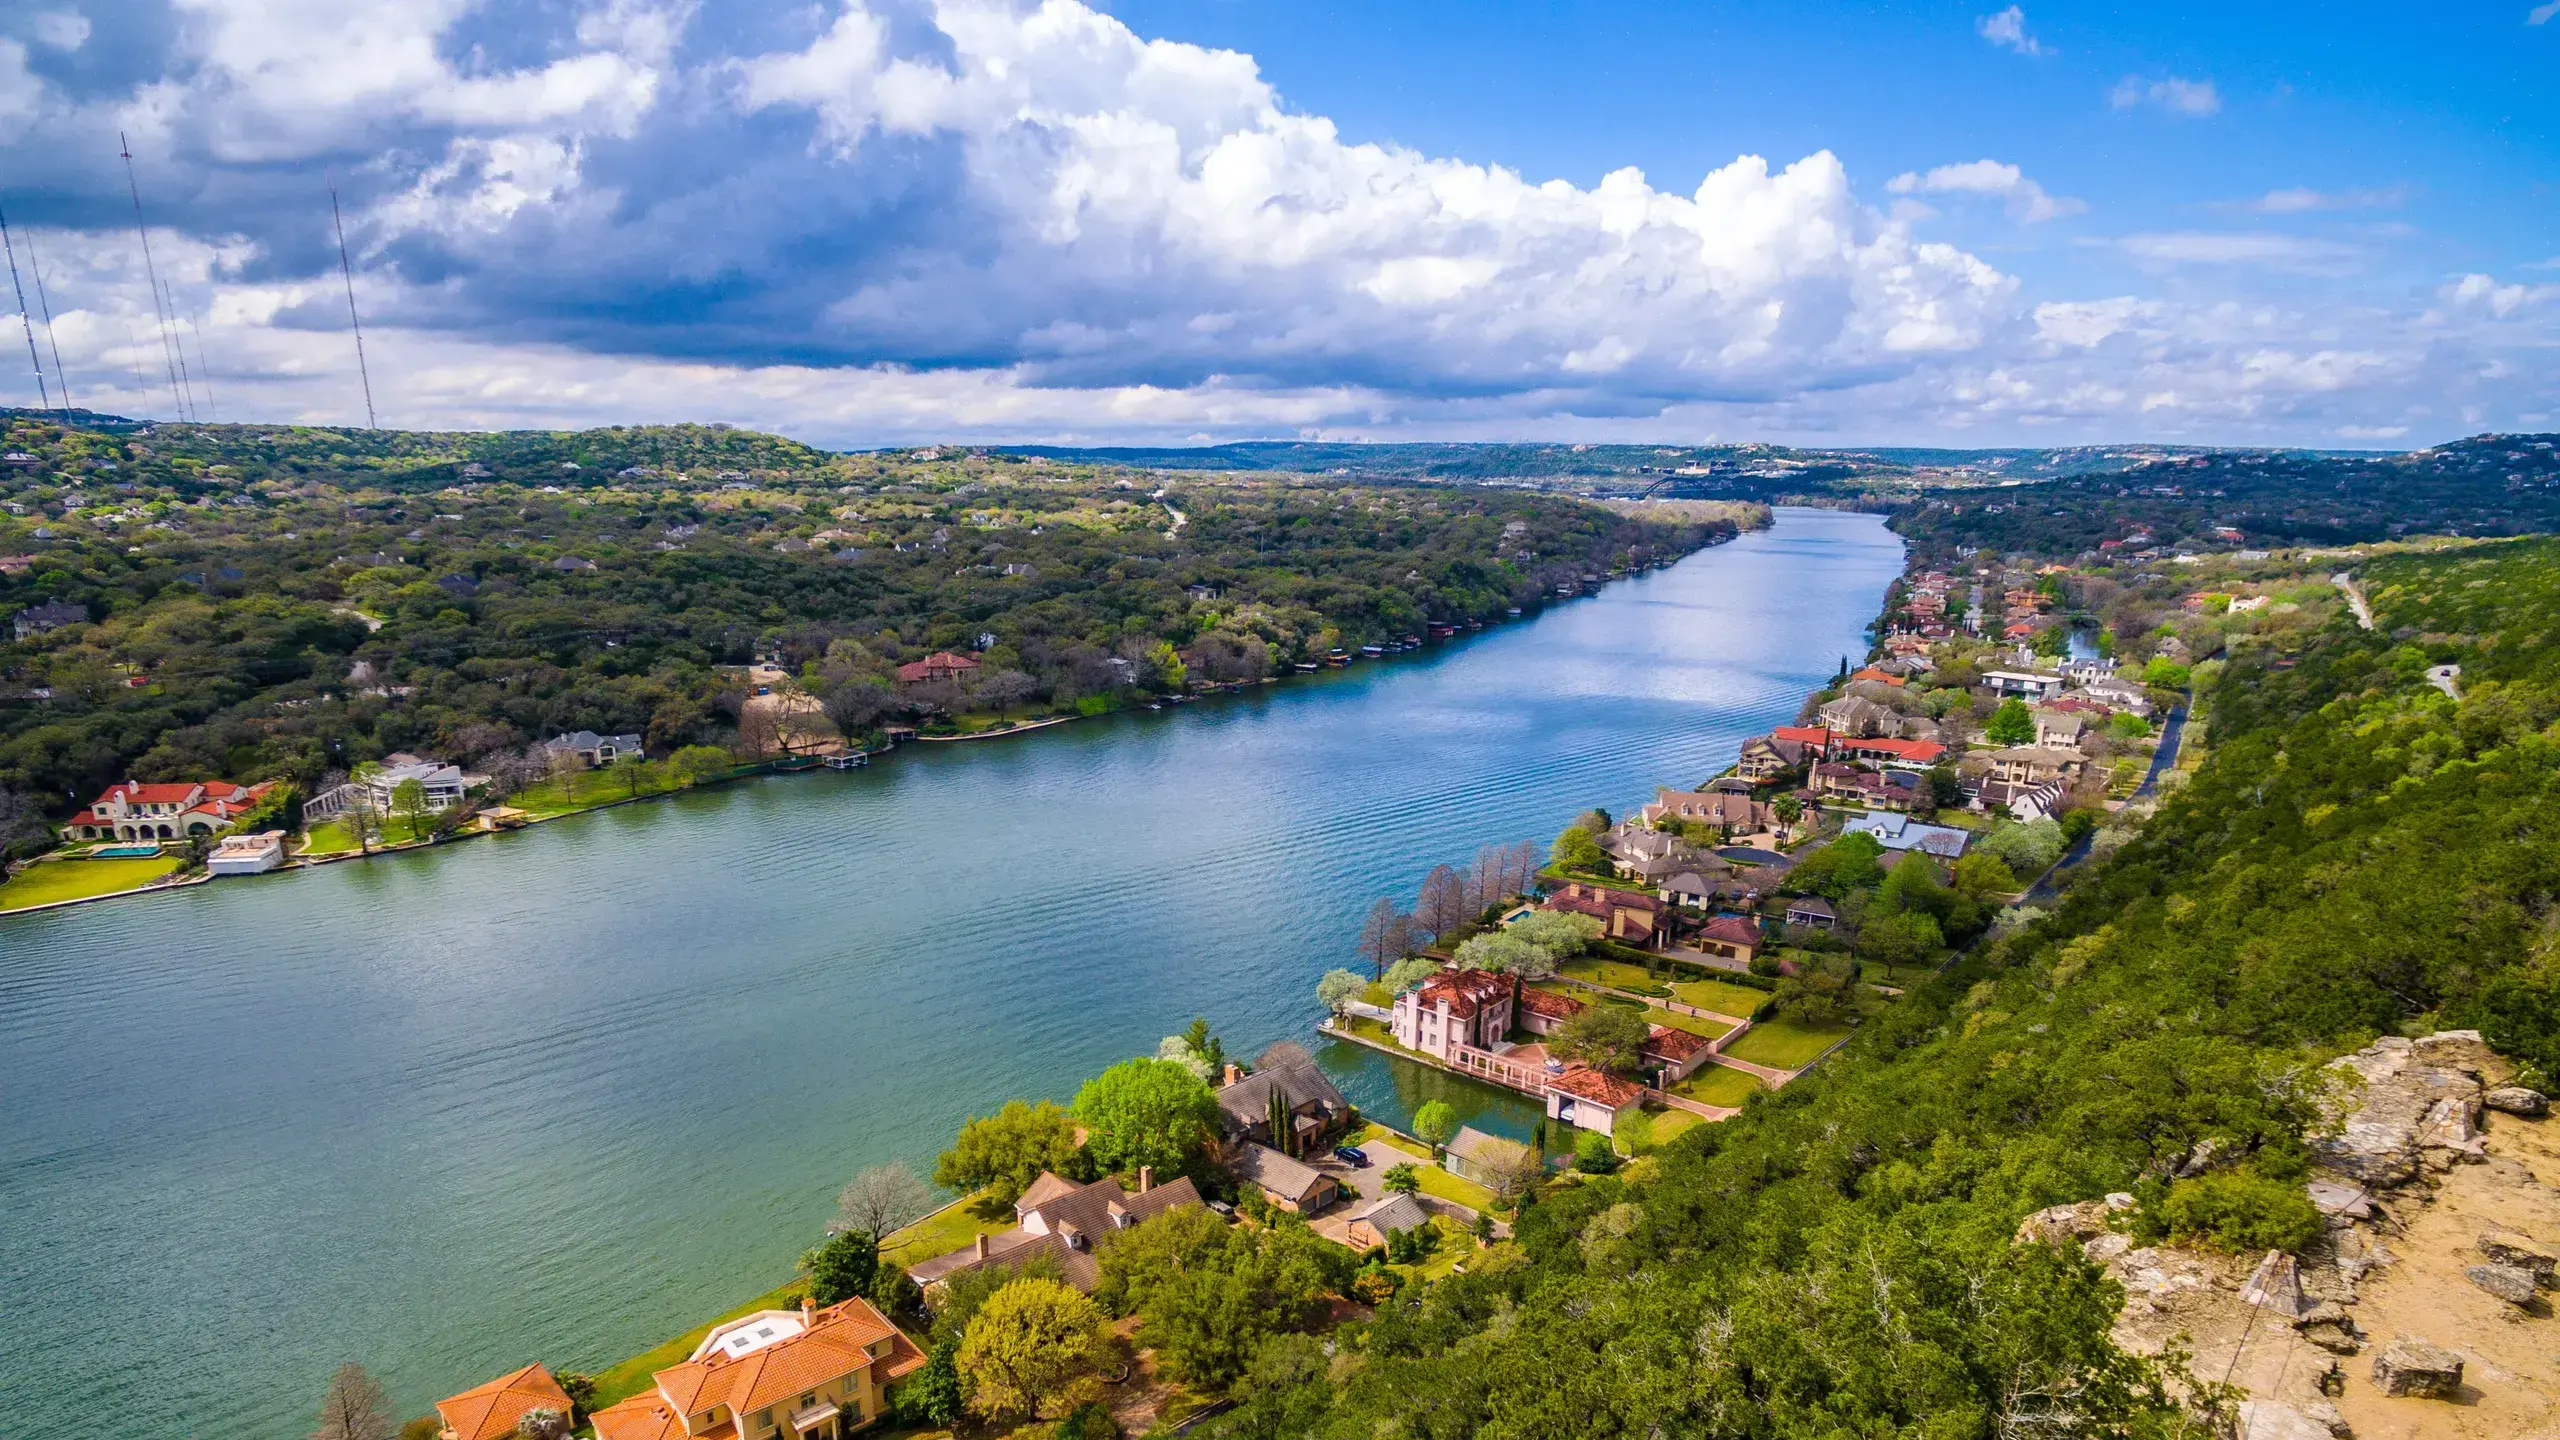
column 558, row 1095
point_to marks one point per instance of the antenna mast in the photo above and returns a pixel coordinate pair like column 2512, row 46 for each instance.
column 61, row 377
column 346, row 272
column 151, row 271
column 26, row 322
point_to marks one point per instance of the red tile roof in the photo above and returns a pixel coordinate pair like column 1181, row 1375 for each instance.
column 1584, row 1083
column 485, row 1412
column 1732, row 930
column 644, row 1416
column 1467, row 991
column 834, row 1345
column 1672, row 1043
column 939, row 665
column 1819, row 735
column 1549, row 1004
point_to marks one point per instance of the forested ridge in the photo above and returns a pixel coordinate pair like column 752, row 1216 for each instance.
column 2359, row 854
column 254, row 602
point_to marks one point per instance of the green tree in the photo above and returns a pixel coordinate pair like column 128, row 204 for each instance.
column 933, row 1397
column 843, row 1267
column 1818, row 992
column 1836, row 870
column 1578, row 850
column 2127, row 726
column 2010, row 724
column 1910, row 937
column 1560, row 933
column 1506, row 952
column 1146, row 1112
column 1593, row 1154
column 1402, row 1179
column 1157, row 1250
column 1434, row 1121
column 1605, row 1037
column 409, row 802
column 1205, row 1045
column 2164, row 673
column 1406, row 974
column 699, row 764
column 1912, row 884
column 1033, row 1349
column 2026, row 848
column 1981, row 873
column 1338, row 989
column 1004, row 1152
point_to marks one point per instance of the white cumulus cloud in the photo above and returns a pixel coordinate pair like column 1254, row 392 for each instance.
column 2008, row 29
column 2175, row 94
column 2027, row 201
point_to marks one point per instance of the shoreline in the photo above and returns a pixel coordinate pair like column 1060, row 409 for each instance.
column 764, row 768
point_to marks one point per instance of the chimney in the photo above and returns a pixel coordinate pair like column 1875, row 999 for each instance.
column 808, row 1310
column 982, row 1246
column 1146, row 1178
column 1233, row 1074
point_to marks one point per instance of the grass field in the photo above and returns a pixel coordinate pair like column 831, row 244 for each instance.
column 51, row 881
column 1642, row 1131
column 1435, row 1181
column 1720, row 996
column 946, row 1230
column 1453, row 1245
column 1715, row 1084
column 1712, row 1029
column 1605, row 972
column 1785, row 1044
column 326, row 838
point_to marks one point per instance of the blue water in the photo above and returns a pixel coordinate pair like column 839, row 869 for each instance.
column 560, row 1094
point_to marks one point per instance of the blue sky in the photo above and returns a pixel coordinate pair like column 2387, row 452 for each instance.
column 871, row 221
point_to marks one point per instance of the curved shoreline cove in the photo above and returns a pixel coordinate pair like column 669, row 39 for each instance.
column 561, row 1094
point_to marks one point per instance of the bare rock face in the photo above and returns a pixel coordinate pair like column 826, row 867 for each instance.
column 2063, row 1224
column 2411, row 1366
column 2275, row 1420
column 2403, row 1104
column 2517, row 1100
column 2275, row 1285
column 2507, row 1282
column 2329, row 1419
column 2509, row 1250
column 2336, row 1337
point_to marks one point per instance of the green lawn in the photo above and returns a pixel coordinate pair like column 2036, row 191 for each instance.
column 948, row 1229
column 49, row 881
column 1720, row 996
column 1376, row 1134
column 1379, row 995
column 326, row 838
column 1712, row 1029
column 1435, row 1181
column 1455, row 1244
column 1368, row 1029
column 1640, row 1132
column 1605, row 972
column 1785, row 1044
column 1715, row 1084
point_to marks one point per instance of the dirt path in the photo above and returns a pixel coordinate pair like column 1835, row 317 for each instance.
column 2355, row 598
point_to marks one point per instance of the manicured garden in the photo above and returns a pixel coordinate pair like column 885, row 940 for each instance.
column 1712, row 1029
column 1723, row 997
column 49, row 882
column 1715, row 1084
column 1642, row 1131
column 1607, row 972
column 1785, row 1044
column 946, row 1230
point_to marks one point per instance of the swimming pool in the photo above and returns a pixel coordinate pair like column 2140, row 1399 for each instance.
column 124, row 852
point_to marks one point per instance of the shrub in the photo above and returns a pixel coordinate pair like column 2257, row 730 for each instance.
column 1593, row 1154
column 1376, row 1287
column 2235, row 1210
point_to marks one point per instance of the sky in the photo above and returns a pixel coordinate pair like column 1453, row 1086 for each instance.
column 870, row 222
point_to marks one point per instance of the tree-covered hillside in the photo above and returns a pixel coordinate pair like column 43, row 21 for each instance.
column 2360, row 853
column 250, row 601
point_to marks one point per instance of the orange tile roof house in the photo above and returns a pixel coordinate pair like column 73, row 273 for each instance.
column 1591, row 1099
column 136, row 811
column 1627, row 915
column 1456, row 1010
column 808, row 1374
column 485, row 1412
column 940, row 665
column 1729, row 936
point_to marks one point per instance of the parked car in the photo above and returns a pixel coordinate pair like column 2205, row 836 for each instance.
column 1351, row 1155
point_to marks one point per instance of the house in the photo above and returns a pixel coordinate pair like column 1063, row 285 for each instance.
column 1292, row 1185
column 1591, row 1099
column 937, row 667
column 51, row 615
column 1915, row 754
column 1877, row 675
column 136, row 811
column 2059, row 727
column 1854, row 715
column 247, row 854
column 593, row 750
column 1767, row 757
column 2036, row 764
column 2028, row 684
column 487, row 1412
column 1454, row 1009
column 2119, row 694
column 2025, row 802
column 1473, row 1155
column 1674, row 1053
column 1728, row 814
column 1316, row 1109
column 569, row 564
column 1630, row 916
column 1372, row 1223
column 1543, row 1012
column 811, row 1374
column 1817, row 739
column 1696, row 888
column 1644, row 853
column 1894, row 790
column 1813, row 912
column 1730, row 936
column 1900, row 834
column 1066, row 1222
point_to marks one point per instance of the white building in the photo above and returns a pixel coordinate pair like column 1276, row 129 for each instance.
column 247, row 854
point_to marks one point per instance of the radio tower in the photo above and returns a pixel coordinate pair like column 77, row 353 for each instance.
column 26, row 321
column 168, row 351
column 61, row 377
column 346, row 272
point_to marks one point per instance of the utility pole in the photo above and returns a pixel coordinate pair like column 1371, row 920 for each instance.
column 346, row 272
column 151, row 272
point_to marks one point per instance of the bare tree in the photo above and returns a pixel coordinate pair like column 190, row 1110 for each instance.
column 1444, row 902
column 1385, row 937
column 883, row 1198
column 1282, row 1055
column 361, row 824
column 355, row 1408
column 859, row 702
column 759, row 735
column 1485, row 881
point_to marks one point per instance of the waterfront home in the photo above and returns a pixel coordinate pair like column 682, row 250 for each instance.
column 246, row 854
column 1373, row 1223
column 1591, row 1099
column 1726, row 813
column 1899, row 834
column 1812, row 912
column 1643, row 853
column 939, row 666
column 1674, row 1053
column 2036, row 764
column 1854, row 715
column 1730, row 936
column 1696, row 888
column 2031, row 685
column 1543, row 1012
column 1628, row 916
column 1894, row 790
column 1870, row 674
column 1066, row 1222
column 1291, row 1185
column 136, row 811
column 1909, row 752
column 811, row 1374
column 593, row 750
column 486, row 1412
column 1454, row 1011
column 1315, row 1108
column 442, row 785
column 1473, row 1155
column 1769, row 757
